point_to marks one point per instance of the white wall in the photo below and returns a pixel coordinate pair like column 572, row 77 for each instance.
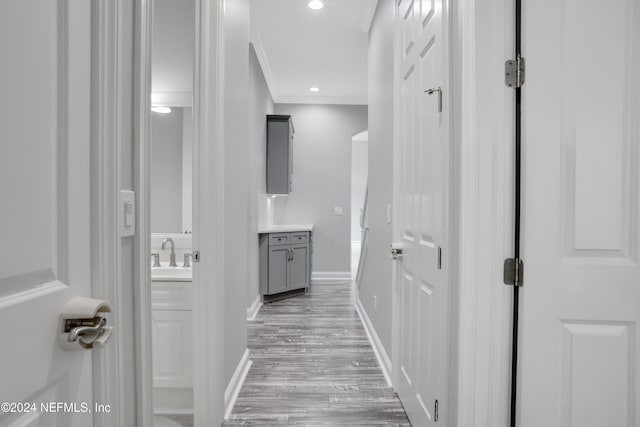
column 376, row 277
column 173, row 48
column 128, row 285
column 359, row 170
column 260, row 104
column 166, row 171
column 237, row 193
column 321, row 173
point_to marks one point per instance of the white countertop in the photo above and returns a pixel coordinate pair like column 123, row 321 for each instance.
column 285, row 228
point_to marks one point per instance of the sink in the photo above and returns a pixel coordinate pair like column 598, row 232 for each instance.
column 171, row 274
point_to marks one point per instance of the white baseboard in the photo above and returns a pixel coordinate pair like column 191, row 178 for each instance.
column 234, row 386
column 330, row 276
column 252, row 311
column 383, row 358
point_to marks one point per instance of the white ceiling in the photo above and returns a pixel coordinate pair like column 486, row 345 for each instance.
column 299, row 48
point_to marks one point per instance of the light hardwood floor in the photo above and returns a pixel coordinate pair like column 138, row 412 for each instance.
column 313, row 366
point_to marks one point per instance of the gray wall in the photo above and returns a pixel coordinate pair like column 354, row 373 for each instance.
column 321, row 177
column 187, row 169
column 260, row 104
column 173, row 46
column 376, row 278
column 166, row 172
column 236, row 195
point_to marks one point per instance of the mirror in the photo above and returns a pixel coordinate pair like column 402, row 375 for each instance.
column 171, row 118
column 171, row 169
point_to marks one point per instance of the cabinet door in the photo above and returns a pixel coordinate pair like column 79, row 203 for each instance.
column 278, row 260
column 172, row 348
column 299, row 267
column 278, row 155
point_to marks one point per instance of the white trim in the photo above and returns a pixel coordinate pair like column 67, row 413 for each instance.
column 330, row 276
column 331, row 100
column 261, row 54
column 142, row 164
column 383, row 358
column 208, row 214
column 252, row 311
column 172, row 411
column 235, row 384
column 367, row 15
column 106, row 126
column 485, row 203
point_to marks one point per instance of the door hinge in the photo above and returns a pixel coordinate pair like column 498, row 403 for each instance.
column 513, row 271
column 514, row 72
column 439, row 258
column 196, row 256
column 435, row 411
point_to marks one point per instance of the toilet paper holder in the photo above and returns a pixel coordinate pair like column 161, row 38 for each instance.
column 84, row 324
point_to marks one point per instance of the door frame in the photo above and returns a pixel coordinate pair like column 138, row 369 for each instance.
column 482, row 34
column 109, row 95
column 208, row 212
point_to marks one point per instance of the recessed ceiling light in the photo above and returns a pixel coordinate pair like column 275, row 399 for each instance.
column 161, row 110
column 314, row 89
column 316, row 4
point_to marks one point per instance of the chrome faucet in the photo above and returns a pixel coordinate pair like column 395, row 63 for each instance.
column 172, row 259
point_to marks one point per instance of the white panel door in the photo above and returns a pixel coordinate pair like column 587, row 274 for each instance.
column 421, row 211
column 44, row 204
column 580, row 302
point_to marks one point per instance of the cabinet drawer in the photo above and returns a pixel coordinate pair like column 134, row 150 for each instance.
column 299, row 237
column 278, row 239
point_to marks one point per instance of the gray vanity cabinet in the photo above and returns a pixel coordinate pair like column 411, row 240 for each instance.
column 285, row 262
column 279, row 154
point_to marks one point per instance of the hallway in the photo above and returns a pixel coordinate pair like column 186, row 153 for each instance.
column 313, row 365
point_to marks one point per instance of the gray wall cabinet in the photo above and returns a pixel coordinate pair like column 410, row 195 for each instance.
column 279, row 154
column 285, row 262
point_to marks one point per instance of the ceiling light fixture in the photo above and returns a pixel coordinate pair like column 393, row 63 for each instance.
column 160, row 109
column 314, row 89
column 316, row 4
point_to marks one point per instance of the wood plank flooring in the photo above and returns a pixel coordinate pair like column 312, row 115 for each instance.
column 313, row 366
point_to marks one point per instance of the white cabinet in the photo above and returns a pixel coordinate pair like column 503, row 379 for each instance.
column 172, row 334
column 172, row 348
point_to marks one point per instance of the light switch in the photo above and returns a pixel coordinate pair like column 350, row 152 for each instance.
column 337, row 210
column 128, row 220
column 389, row 214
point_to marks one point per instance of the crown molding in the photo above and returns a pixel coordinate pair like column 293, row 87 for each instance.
column 261, row 53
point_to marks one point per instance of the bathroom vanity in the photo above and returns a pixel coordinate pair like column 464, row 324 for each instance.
column 285, row 260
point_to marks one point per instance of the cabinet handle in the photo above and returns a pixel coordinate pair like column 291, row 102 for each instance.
column 289, row 256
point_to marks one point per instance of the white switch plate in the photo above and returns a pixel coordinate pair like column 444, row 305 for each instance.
column 337, row 210
column 389, row 213
column 128, row 212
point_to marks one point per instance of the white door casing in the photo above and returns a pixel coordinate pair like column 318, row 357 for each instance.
column 421, row 187
column 44, row 191
column 580, row 303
